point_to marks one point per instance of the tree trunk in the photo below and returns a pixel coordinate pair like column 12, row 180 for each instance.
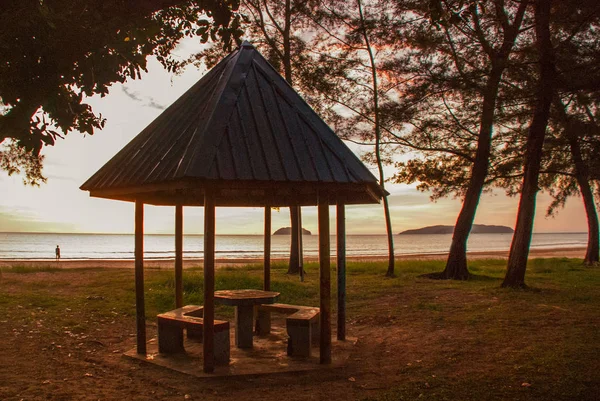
column 386, row 206
column 294, row 267
column 390, row 234
column 456, row 265
column 296, row 256
column 582, row 176
column 519, row 250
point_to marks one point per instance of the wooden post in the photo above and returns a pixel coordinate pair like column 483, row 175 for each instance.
column 267, row 253
column 300, row 248
column 324, row 282
column 341, row 271
column 178, row 256
column 140, row 307
column 209, row 281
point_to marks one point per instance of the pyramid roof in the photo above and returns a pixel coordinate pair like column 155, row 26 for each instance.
column 245, row 133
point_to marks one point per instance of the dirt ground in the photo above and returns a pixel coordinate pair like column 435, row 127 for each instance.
column 40, row 361
column 77, row 354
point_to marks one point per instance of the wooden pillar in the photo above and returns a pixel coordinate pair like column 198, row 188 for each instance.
column 178, row 256
column 300, row 247
column 140, row 307
column 324, row 282
column 209, row 281
column 267, row 253
column 341, row 271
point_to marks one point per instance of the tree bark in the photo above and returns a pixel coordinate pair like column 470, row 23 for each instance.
column 592, row 254
column 582, row 176
column 519, row 250
column 390, row 235
column 456, row 264
column 295, row 265
column 386, row 206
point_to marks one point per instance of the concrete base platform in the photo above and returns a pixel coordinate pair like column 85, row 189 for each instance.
column 268, row 356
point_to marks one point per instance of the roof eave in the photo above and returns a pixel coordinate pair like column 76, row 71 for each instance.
column 245, row 193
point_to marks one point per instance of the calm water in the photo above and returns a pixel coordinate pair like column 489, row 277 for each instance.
column 118, row 246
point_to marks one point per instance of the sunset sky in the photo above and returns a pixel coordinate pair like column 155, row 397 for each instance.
column 60, row 206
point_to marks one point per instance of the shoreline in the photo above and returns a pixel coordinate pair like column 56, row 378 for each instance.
column 573, row 252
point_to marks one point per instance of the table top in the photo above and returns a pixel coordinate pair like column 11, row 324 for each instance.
column 245, row 297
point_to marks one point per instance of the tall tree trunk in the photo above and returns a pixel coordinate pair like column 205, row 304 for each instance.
column 519, row 249
column 456, row 265
column 296, row 256
column 592, row 254
column 582, row 176
column 386, row 206
column 390, row 235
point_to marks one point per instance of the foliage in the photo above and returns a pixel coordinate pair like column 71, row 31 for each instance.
column 283, row 31
column 454, row 57
column 568, row 166
column 56, row 54
column 356, row 36
column 18, row 160
column 558, row 176
column 575, row 110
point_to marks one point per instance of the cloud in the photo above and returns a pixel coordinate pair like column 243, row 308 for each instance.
column 147, row 100
column 153, row 104
column 133, row 95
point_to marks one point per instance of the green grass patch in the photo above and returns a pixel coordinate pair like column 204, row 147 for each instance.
column 26, row 269
column 477, row 340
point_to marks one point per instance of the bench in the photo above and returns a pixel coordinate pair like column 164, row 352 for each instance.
column 302, row 323
column 190, row 318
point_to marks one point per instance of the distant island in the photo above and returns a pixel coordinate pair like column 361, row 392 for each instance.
column 477, row 229
column 288, row 231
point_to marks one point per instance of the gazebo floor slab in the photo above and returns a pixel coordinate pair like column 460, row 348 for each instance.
column 268, row 356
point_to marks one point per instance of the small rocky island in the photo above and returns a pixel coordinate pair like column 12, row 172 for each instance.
column 477, row 229
column 288, row 231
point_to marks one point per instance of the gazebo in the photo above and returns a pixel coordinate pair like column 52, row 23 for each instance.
column 241, row 136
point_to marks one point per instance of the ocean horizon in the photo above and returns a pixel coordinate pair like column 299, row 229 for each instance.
column 84, row 246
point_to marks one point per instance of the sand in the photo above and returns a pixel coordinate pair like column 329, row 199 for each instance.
column 578, row 252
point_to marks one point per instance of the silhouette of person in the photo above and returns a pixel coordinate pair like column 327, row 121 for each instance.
column 57, row 253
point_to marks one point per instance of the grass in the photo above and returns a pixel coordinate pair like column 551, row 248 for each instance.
column 24, row 269
column 480, row 341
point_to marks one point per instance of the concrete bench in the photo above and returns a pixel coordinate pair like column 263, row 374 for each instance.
column 190, row 318
column 302, row 323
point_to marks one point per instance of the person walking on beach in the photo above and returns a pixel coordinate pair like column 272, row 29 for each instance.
column 57, row 253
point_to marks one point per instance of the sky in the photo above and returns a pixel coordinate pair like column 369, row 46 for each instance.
column 60, row 206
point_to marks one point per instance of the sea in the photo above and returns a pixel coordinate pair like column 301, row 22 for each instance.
column 41, row 246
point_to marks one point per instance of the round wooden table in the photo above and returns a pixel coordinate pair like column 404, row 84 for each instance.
column 244, row 301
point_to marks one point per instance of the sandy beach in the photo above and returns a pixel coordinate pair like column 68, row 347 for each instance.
column 578, row 252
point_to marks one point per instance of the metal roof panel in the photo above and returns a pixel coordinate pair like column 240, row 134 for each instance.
column 241, row 122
